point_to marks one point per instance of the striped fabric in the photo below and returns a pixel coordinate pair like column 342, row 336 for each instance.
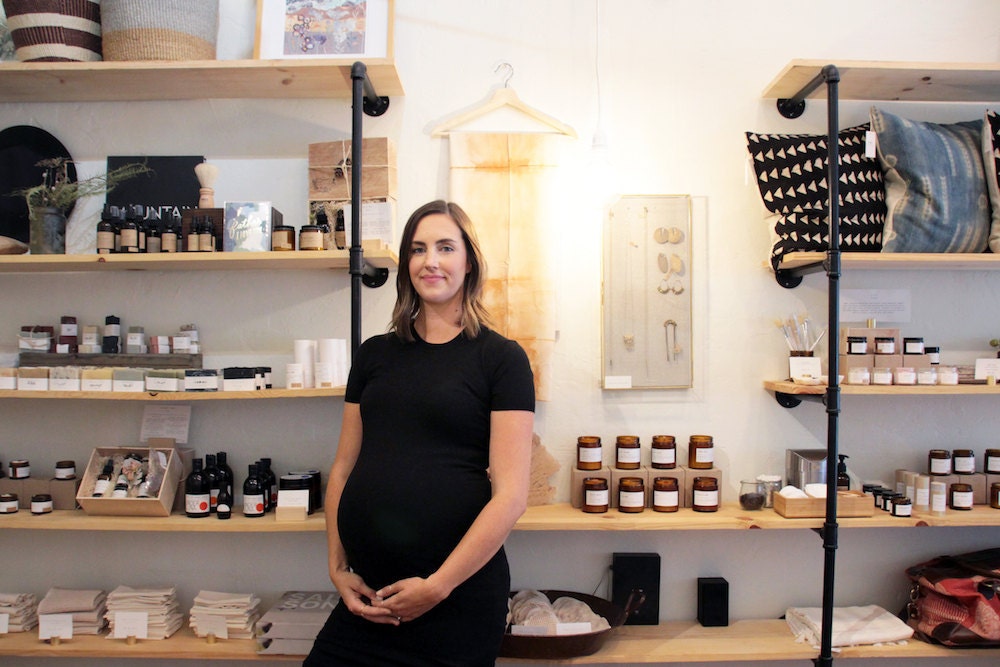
column 160, row 30
column 55, row 30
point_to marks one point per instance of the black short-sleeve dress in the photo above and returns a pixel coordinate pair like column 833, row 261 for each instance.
column 419, row 482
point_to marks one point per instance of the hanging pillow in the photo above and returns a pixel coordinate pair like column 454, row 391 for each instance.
column 55, row 30
column 991, row 162
column 160, row 30
column 936, row 195
column 791, row 171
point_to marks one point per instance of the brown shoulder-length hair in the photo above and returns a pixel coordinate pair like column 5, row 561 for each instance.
column 474, row 313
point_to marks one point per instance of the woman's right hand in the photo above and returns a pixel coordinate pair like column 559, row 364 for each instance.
column 356, row 594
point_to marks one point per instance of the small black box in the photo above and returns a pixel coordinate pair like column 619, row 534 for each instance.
column 637, row 572
column 713, row 601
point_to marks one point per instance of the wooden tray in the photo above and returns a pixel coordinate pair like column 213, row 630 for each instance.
column 849, row 503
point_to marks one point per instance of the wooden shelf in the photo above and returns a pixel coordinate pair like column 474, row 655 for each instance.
column 105, row 81
column 761, row 640
column 898, row 261
column 175, row 523
column 182, row 645
column 754, row 640
column 190, row 261
column 557, row 517
column 887, row 80
column 789, row 387
column 260, row 394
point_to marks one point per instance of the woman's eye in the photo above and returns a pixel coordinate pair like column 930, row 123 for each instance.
column 416, row 251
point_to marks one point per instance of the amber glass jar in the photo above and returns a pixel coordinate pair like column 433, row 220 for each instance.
column 960, row 496
column 627, row 452
column 701, row 452
column 663, row 455
column 595, row 495
column 939, row 462
column 963, row 462
column 589, row 455
column 666, row 497
column 902, row 506
column 631, row 495
column 995, row 495
column 991, row 462
column 283, row 238
column 705, row 494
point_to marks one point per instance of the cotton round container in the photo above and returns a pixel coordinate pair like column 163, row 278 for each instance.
column 161, row 30
column 569, row 646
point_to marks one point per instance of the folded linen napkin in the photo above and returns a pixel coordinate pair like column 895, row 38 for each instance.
column 852, row 626
column 63, row 600
column 219, row 599
column 16, row 599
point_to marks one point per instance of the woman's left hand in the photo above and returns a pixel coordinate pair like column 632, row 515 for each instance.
column 409, row 598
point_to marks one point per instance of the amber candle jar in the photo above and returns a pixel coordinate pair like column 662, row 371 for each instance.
column 595, row 495
column 963, row 461
column 666, row 497
column 939, row 462
column 631, row 495
column 663, row 455
column 991, row 462
column 589, row 455
column 701, row 452
column 960, row 496
column 705, row 494
column 627, row 452
column 995, row 495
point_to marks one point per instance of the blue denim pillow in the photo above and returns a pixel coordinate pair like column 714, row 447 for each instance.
column 991, row 160
column 935, row 185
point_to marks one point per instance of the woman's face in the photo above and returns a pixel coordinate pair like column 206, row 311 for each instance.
column 438, row 260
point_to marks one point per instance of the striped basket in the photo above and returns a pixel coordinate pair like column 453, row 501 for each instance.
column 55, row 30
column 160, row 29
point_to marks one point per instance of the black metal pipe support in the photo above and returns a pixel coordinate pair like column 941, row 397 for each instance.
column 831, row 76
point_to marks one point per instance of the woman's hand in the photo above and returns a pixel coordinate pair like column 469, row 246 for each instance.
column 356, row 595
column 409, row 598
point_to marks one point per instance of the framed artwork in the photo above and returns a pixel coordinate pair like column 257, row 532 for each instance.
column 647, row 319
column 323, row 29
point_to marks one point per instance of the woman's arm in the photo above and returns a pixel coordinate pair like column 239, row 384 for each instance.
column 510, row 469
column 353, row 590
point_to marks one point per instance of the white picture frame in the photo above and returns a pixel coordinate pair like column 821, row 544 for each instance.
column 304, row 29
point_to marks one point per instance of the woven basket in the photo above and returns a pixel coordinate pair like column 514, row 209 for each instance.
column 160, row 29
column 55, row 30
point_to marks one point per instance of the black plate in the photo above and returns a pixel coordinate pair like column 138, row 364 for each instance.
column 21, row 148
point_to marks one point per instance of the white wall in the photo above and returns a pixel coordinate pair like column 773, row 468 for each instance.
column 680, row 83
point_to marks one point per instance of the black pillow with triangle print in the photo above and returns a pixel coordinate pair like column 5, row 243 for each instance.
column 791, row 171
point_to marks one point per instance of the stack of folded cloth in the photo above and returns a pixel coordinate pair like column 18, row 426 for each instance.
column 86, row 606
column 852, row 626
column 240, row 610
column 160, row 604
column 21, row 610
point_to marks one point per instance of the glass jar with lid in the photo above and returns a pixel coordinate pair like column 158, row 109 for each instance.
column 701, row 452
column 627, row 452
column 939, row 462
column 589, row 455
column 631, row 495
column 705, row 494
column 666, row 495
column 595, row 495
column 960, row 496
column 963, row 462
column 663, row 454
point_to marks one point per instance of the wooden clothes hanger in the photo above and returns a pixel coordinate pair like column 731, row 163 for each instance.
column 502, row 97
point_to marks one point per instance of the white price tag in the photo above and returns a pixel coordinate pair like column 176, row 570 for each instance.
column 55, row 625
column 131, row 624
column 213, row 624
column 4, row 624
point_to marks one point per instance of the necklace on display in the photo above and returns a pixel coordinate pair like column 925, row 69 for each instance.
column 670, row 331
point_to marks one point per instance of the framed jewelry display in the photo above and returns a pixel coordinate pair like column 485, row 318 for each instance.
column 646, row 300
